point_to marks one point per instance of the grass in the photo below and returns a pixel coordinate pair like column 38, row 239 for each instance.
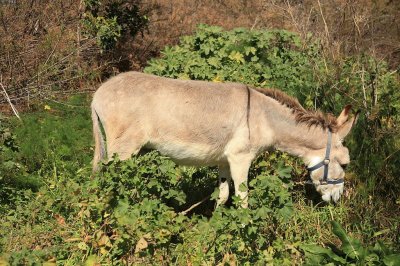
column 56, row 132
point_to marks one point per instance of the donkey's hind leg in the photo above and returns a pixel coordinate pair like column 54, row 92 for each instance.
column 125, row 145
column 224, row 180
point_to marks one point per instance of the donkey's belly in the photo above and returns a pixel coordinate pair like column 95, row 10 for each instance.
column 195, row 154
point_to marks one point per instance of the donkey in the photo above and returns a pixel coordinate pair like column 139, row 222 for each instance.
column 218, row 124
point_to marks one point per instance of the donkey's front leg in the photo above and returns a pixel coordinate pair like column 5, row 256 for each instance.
column 224, row 179
column 239, row 165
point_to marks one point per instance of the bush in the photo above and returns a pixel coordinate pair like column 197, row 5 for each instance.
column 275, row 58
column 10, row 170
column 109, row 21
column 131, row 212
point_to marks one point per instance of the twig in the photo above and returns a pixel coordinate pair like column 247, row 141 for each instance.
column 65, row 104
column 255, row 23
column 52, row 51
column 194, row 205
column 390, row 155
column 301, row 183
column 85, row 45
column 290, row 11
column 364, row 92
column 256, row 20
column 323, row 19
column 307, row 24
column 8, row 99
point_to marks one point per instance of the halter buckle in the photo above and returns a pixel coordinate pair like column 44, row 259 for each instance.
column 327, row 161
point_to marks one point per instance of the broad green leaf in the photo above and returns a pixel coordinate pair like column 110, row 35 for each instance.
column 284, row 171
column 243, row 187
column 312, row 250
column 215, row 194
column 213, row 61
column 392, row 260
column 236, row 56
column 352, row 247
column 92, row 260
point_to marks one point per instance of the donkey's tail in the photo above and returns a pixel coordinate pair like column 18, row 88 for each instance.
column 99, row 149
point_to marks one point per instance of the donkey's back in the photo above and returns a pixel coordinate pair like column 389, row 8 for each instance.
column 193, row 122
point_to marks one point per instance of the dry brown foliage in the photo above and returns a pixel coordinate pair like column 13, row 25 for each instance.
column 39, row 47
column 344, row 26
column 42, row 48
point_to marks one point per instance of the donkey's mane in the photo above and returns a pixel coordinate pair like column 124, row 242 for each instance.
column 310, row 118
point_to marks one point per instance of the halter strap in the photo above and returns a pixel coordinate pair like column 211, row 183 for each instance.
column 325, row 164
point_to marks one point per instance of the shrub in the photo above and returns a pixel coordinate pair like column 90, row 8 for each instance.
column 137, row 204
column 109, row 21
column 274, row 58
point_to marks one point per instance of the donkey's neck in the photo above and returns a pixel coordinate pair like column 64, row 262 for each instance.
column 291, row 136
column 298, row 141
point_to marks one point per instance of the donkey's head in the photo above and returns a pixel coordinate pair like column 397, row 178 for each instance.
column 327, row 165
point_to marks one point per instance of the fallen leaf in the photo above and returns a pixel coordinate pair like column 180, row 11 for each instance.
column 141, row 244
column 60, row 219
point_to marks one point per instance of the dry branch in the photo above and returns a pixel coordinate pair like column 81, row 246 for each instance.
column 194, row 206
column 8, row 99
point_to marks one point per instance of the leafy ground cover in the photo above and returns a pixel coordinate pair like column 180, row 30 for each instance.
column 53, row 211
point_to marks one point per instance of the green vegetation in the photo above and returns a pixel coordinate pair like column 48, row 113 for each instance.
column 260, row 58
column 351, row 251
column 111, row 21
column 54, row 211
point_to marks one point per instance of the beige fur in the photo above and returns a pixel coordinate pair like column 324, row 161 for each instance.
column 205, row 123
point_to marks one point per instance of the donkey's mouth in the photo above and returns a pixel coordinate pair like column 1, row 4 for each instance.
column 331, row 192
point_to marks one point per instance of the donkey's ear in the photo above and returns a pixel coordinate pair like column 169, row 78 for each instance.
column 345, row 127
column 344, row 115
